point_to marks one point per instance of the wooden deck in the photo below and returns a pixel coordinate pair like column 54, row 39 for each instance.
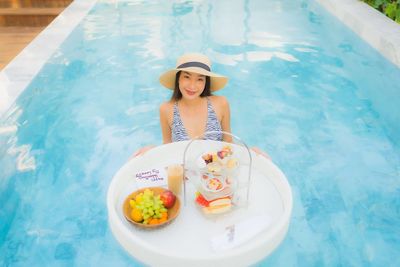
column 21, row 21
column 13, row 40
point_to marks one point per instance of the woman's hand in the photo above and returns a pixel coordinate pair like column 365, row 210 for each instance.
column 141, row 151
column 260, row 152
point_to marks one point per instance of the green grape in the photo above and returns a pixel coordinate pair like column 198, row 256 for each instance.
column 151, row 212
column 163, row 209
column 146, row 216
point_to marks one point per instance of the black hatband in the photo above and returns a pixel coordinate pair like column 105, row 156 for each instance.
column 194, row 64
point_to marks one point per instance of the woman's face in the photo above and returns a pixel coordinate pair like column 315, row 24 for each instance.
column 191, row 84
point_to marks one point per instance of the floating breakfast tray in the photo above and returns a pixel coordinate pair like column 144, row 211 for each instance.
column 239, row 238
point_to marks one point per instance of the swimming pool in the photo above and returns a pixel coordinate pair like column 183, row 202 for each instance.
column 303, row 87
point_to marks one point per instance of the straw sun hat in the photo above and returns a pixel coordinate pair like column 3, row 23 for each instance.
column 196, row 63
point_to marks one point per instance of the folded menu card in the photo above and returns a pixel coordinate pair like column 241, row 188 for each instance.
column 151, row 177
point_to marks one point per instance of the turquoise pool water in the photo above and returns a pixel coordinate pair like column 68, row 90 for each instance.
column 302, row 87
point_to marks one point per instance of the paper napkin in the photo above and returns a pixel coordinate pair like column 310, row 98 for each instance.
column 236, row 234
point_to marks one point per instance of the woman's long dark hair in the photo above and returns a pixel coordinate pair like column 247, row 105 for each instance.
column 176, row 95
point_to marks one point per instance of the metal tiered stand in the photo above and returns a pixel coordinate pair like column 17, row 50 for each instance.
column 218, row 170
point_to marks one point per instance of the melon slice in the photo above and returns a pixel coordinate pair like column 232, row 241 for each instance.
column 220, row 201
column 217, row 209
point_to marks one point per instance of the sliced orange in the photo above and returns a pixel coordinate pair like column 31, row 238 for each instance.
column 164, row 215
column 154, row 221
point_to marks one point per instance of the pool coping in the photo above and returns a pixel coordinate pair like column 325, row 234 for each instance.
column 17, row 75
column 373, row 27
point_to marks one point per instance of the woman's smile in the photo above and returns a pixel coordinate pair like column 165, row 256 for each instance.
column 189, row 92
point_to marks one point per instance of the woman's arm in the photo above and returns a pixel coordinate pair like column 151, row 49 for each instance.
column 226, row 119
column 165, row 127
column 261, row 152
column 141, row 151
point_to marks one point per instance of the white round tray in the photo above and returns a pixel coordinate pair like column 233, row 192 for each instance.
column 187, row 240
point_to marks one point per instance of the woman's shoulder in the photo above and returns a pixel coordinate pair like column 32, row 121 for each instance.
column 218, row 100
column 166, row 106
column 166, row 111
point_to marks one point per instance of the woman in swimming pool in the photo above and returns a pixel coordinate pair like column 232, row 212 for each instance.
column 192, row 109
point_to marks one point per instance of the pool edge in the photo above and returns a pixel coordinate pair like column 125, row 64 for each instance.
column 17, row 75
column 372, row 26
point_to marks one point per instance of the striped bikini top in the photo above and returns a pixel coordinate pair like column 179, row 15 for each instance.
column 179, row 132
